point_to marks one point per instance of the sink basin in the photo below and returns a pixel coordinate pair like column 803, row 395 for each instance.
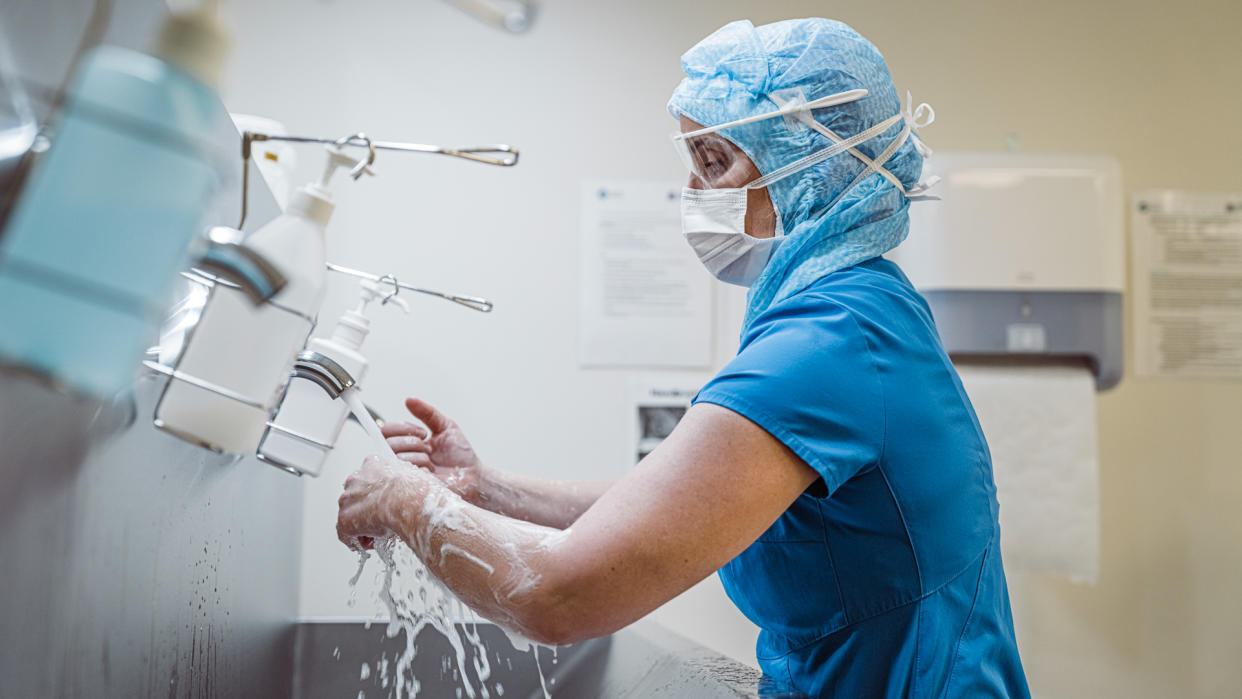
column 644, row 660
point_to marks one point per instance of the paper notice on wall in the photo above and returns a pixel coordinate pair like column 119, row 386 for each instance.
column 645, row 300
column 1187, row 255
column 657, row 403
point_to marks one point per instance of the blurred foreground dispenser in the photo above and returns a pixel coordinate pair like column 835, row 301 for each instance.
column 107, row 217
column 1022, row 263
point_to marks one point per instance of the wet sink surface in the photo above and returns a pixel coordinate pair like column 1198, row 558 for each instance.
column 644, row 660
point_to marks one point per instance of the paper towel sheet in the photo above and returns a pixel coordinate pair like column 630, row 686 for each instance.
column 1040, row 424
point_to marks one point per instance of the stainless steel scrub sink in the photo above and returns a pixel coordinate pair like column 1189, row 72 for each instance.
column 644, row 660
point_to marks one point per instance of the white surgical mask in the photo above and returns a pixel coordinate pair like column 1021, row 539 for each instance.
column 714, row 223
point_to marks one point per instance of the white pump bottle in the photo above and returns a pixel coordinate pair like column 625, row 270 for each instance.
column 309, row 421
column 249, row 350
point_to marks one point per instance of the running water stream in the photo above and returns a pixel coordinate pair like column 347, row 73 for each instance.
column 353, row 398
column 416, row 600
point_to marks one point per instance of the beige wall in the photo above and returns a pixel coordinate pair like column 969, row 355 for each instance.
column 1154, row 84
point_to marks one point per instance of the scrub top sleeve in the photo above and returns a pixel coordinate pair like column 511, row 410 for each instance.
column 806, row 374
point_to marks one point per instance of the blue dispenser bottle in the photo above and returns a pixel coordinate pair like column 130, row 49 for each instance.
column 106, row 219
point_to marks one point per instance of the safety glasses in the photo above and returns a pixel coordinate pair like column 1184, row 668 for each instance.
column 717, row 163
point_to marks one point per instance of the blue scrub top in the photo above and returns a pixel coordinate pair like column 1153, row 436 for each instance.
column 884, row 579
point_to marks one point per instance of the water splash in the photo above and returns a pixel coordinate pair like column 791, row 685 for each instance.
column 353, row 399
column 426, row 603
column 416, row 600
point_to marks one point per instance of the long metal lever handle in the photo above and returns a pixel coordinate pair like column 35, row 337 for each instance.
column 478, row 154
column 472, row 302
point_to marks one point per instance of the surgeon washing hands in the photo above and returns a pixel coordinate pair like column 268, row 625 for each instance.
column 833, row 473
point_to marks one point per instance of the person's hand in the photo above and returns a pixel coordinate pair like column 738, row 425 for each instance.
column 440, row 447
column 374, row 497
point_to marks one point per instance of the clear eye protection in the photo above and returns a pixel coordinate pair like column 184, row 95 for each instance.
column 716, row 163
column 713, row 161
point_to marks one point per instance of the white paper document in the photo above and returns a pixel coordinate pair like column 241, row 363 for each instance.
column 644, row 300
column 1187, row 256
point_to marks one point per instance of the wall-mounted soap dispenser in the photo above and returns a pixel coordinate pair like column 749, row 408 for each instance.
column 309, row 420
column 105, row 219
column 248, row 350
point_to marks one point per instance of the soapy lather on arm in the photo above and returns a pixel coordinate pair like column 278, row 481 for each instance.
column 706, row 493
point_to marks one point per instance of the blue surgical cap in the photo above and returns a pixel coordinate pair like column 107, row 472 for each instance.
column 731, row 74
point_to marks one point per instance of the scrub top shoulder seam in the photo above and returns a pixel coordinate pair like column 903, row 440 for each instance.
column 829, row 299
column 897, row 504
column 879, row 461
column 769, row 424
column 901, row 513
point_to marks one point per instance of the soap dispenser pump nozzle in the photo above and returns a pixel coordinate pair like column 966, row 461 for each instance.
column 353, row 326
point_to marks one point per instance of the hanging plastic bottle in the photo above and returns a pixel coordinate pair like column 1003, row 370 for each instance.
column 309, row 421
column 247, row 350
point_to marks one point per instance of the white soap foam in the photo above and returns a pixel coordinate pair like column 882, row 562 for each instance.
column 427, row 603
column 417, row 601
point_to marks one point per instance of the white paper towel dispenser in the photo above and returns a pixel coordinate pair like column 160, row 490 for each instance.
column 1023, row 254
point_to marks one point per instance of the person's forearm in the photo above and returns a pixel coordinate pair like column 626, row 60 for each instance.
column 550, row 503
column 505, row 569
column 698, row 501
